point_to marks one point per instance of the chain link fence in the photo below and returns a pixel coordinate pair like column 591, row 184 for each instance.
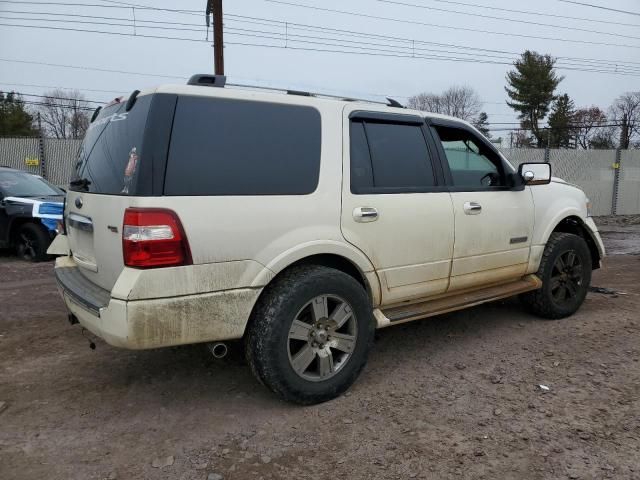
column 52, row 158
column 610, row 178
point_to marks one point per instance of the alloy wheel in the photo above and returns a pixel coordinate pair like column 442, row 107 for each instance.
column 322, row 338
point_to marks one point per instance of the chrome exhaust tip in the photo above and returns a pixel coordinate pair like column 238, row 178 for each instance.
column 218, row 349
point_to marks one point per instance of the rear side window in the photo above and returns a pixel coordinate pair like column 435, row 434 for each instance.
column 110, row 153
column 235, row 147
column 389, row 158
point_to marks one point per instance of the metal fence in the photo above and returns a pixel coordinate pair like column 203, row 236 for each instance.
column 610, row 178
column 52, row 158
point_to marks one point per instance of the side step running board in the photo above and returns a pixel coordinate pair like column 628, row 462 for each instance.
column 415, row 311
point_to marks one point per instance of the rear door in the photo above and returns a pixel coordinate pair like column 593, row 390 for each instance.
column 493, row 222
column 395, row 207
column 115, row 165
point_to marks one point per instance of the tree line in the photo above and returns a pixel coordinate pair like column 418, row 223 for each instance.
column 58, row 113
column 532, row 91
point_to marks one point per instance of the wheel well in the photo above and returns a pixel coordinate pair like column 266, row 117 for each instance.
column 326, row 260
column 575, row 226
column 337, row 262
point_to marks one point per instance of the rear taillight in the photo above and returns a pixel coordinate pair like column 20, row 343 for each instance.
column 153, row 237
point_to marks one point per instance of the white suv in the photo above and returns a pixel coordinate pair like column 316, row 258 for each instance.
column 300, row 224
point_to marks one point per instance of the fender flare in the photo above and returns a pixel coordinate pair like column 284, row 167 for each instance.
column 323, row 247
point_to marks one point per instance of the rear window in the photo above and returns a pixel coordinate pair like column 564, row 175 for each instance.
column 235, row 147
column 111, row 152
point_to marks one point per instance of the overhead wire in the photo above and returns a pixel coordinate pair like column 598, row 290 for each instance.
column 531, row 12
column 513, row 20
column 449, row 27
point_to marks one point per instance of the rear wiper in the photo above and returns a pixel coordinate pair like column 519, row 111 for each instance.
column 81, row 183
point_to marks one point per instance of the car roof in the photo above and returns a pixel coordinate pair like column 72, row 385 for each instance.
column 257, row 93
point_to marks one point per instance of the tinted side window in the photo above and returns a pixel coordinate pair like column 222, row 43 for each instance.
column 234, row 147
column 361, row 171
column 471, row 163
column 389, row 157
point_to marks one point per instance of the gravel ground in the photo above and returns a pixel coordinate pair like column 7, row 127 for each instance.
column 456, row 396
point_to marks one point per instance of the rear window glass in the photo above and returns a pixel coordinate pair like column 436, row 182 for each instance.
column 235, row 147
column 111, row 152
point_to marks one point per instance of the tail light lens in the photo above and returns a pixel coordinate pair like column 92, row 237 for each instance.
column 153, row 238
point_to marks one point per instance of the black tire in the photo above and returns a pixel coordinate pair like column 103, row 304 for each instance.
column 564, row 286
column 31, row 242
column 268, row 342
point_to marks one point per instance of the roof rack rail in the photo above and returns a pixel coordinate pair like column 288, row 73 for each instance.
column 206, row 80
column 306, row 94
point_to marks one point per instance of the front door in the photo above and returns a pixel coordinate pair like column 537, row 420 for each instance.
column 493, row 223
column 395, row 206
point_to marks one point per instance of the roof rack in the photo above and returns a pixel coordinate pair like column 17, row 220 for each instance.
column 220, row 81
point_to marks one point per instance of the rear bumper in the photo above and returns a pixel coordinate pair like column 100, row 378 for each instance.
column 158, row 322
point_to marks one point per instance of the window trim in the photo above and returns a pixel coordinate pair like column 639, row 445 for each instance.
column 397, row 119
column 441, row 122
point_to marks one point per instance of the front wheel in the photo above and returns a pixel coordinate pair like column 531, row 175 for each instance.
column 565, row 271
column 310, row 334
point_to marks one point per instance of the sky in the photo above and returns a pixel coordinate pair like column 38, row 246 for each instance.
column 394, row 48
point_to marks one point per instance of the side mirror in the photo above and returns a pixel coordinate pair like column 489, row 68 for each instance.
column 535, row 173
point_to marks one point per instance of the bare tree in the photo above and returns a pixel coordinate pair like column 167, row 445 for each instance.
column 458, row 101
column 588, row 121
column 65, row 113
column 626, row 109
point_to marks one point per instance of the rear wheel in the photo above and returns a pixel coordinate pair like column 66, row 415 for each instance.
column 31, row 242
column 310, row 334
column 565, row 271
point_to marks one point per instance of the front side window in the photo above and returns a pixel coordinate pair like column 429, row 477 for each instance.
column 389, row 157
column 471, row 163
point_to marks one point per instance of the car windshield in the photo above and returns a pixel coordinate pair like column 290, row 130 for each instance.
column 18, row 184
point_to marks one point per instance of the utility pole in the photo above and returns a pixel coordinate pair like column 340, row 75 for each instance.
column 214, row 7
column 624, row 133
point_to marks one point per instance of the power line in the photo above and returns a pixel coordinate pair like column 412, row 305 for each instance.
column 515, row 20
column 287, row 26
column 121, row 5
column 339, row 48
column 385, row 51
column 457, row 28
column 601, row 7
column 618, row 65
column 42, row 104
column 531, row 12
column 58, row 98
column 63, row 88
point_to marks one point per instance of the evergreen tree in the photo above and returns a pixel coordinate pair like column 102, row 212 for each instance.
column 482, row 124
column 531, row 88
column 560, row 122
column 14, row 119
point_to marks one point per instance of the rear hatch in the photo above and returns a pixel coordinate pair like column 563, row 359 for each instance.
column 113, row 167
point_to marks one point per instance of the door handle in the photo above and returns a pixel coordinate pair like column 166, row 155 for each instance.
column 365, row 214
column 472, row 208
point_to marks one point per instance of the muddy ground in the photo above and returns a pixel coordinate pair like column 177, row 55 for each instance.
column 452, row 397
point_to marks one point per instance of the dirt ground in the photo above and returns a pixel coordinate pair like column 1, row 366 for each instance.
column 457, row 396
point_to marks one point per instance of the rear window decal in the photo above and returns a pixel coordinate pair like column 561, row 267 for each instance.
column 130, row 169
